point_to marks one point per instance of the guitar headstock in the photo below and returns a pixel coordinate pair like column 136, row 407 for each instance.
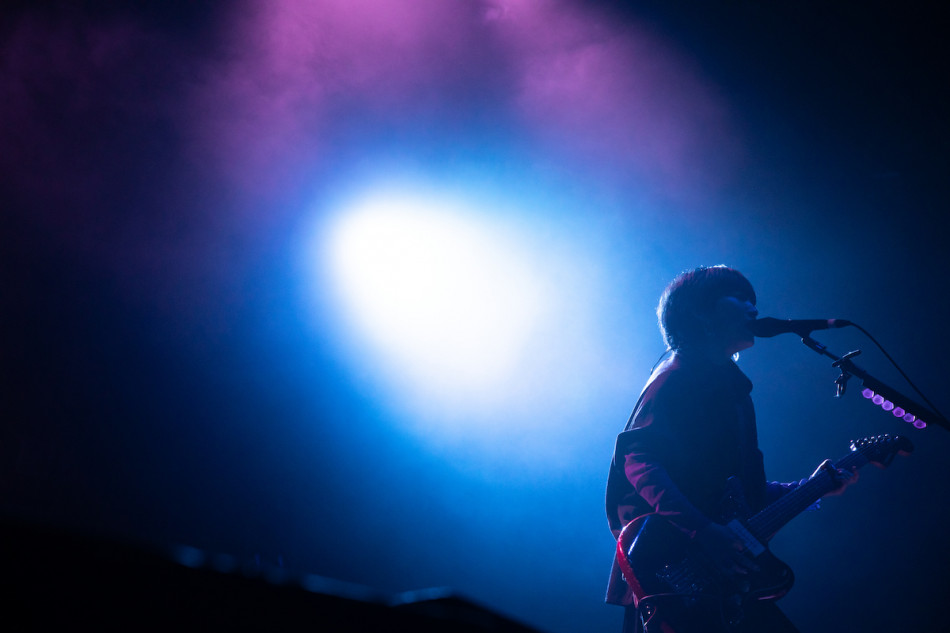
column 880, row 450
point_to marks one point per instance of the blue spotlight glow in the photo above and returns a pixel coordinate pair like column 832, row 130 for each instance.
column 442, row 293
column 472, row 312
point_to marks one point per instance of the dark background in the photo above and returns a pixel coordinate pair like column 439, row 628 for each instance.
column 164, row 381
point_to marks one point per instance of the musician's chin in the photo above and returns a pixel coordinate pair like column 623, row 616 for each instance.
column 740, row 344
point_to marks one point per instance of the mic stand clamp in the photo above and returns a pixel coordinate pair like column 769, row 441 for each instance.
column 912, row 411
column 841, row 382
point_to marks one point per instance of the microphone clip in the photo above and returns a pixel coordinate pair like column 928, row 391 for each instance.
column 841, row 382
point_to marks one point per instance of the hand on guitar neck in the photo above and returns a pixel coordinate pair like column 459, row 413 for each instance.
column 844, row 477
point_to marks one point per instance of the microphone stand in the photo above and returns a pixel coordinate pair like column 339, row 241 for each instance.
column 913, row 412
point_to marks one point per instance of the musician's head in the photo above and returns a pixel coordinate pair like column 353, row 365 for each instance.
column 706, row 310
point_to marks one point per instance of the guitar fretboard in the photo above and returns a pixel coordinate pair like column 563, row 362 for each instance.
column 766, row 523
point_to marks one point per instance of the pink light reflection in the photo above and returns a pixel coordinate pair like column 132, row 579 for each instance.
column 302, row 77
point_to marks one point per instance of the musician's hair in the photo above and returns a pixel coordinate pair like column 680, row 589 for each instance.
column 691, row 297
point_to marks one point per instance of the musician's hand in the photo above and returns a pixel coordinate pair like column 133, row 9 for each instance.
column 843, row 477
column 726, row 550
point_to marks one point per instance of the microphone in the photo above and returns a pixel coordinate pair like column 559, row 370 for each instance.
column 768, row 327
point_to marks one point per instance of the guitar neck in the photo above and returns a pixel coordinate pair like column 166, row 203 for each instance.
column 766, row 523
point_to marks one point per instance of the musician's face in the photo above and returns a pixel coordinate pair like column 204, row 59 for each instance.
column 731, row 317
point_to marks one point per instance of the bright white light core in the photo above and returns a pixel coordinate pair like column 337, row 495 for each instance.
column 444, row 296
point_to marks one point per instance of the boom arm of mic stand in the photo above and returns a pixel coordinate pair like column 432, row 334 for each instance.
column 904, row 402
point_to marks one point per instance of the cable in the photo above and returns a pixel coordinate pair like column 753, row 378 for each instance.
column 906, row 377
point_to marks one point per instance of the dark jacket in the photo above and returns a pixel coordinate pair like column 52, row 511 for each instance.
column 692, row 428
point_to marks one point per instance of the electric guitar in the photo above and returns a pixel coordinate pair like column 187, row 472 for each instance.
column 660, row 562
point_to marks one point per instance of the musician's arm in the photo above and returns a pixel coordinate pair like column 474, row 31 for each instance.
column 653, row 484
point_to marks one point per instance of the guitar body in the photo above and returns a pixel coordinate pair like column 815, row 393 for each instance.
column 662, row 560
column 670, row 572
